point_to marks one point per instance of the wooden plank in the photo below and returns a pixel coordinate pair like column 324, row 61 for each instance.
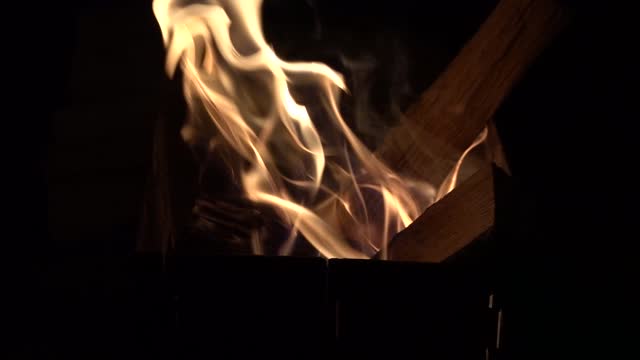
column 450, row 224
column 458, row 105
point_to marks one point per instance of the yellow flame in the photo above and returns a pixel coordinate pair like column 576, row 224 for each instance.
column 315, row 172
column 452, row 179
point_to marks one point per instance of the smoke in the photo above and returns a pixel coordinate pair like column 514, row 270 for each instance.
column 379, row 87
column 317, row 24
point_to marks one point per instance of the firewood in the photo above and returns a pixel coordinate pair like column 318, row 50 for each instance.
column 449, row 116
column 450, row 224
column 458, row 105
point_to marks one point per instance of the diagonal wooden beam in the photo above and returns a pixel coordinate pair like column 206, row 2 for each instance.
column 459, row 104
column 452, row 112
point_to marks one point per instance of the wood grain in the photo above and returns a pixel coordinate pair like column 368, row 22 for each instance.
column 451, row 223
column 458, row 105
column 449, row 116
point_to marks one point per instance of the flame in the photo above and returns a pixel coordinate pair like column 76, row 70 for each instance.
column 295, row 152
column 452, row 179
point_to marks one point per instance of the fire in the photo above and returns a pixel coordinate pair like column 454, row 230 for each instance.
column 292, row 149
column 452, row 180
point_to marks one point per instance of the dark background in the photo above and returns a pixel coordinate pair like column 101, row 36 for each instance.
column 96, row 88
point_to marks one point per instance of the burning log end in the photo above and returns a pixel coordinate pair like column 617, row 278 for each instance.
column 450, row 224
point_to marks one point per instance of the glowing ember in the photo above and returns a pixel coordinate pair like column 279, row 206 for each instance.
column 295, row 152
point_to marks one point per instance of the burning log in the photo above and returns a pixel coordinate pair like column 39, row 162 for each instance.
column 451, row 223
column 458, row 105
column 452, row 112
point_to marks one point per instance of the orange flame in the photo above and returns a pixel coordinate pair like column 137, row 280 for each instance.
column 313, row 170
column 452, row 179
